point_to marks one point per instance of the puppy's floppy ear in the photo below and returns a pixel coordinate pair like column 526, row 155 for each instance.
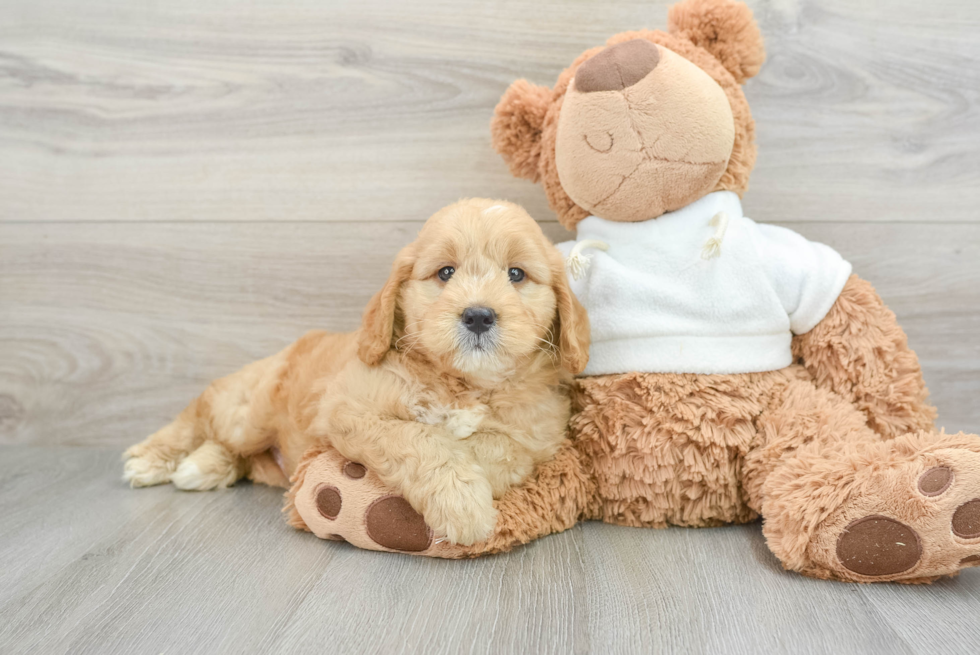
column 378, row 323
column 515, row 130
column 572, row 320
column 726, row 29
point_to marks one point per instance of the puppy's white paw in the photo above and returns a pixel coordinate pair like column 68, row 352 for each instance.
column 463, row 512
column 146, row 472
column 211, row 466
column 189, row 476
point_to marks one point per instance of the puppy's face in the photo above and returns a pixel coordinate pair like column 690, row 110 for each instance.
column 481, row 291
column 480, row 297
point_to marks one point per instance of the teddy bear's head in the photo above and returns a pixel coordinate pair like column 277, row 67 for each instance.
column 645, row 125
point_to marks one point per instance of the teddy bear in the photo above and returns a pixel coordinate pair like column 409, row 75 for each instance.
column 737, row 370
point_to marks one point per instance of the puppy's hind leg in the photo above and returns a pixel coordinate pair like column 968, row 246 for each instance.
column 207, row 446
column 211, row 466
column 154, row 460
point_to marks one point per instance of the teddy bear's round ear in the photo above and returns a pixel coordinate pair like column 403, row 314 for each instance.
column 726, row 29
column 516, row 127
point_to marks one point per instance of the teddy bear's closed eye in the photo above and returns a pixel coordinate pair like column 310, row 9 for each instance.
column 599, row 141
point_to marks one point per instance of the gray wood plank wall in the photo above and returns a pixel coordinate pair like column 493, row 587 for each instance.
column 190, row 185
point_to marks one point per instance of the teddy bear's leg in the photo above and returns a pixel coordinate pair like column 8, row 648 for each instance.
column 860, row 352
column 838, row 501
column 667, row 449
column 340, row 500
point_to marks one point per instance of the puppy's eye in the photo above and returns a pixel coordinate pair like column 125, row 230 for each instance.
column 445, row 273
column 516, row 275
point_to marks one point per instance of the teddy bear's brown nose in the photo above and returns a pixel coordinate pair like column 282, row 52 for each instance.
column 618, row 66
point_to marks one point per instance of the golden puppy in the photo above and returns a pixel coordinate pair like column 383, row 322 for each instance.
column 452, row 390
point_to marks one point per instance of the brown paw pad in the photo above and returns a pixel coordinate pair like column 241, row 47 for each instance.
column 966, row 520
column 935, row 481
column 391, row 522
column 878, row 545
column 354, row 471
column 972, row 560
column 328, row 502
column 342, row 500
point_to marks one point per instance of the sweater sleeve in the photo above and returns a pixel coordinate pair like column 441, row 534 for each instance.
column 806, row 276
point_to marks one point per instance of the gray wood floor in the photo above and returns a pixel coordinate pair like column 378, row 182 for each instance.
column 99, row 568
column 187, row 186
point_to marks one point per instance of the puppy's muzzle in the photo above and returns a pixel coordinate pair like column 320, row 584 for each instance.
column 478, row 319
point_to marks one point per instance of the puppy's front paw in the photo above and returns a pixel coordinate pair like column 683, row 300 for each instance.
column 463, row 512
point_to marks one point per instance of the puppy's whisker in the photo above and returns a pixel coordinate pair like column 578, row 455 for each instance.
column 408, row 333
column 407, row 336
column 411, row 347
column 413, row 340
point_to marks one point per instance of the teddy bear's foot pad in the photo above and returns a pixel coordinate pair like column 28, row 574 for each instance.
column 389, row 521
column 878, row 545
column 341, row 500
column 927, row 522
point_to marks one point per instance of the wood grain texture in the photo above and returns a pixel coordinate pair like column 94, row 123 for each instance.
column 106, row 569
column 345, row 111
column 187, row 186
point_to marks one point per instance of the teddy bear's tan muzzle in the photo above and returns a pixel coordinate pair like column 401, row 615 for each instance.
column 618, row 67
column 643, row 132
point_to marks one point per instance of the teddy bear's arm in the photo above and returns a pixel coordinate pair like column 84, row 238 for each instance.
column 859, row 351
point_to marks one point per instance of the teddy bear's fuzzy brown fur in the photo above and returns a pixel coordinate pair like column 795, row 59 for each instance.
column 792, row 445
column 837, row 452
column 683, row 449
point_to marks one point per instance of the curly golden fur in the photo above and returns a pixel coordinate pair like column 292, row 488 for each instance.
column 448, row 418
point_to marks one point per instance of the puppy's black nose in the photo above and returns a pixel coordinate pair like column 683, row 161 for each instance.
column 479, row 319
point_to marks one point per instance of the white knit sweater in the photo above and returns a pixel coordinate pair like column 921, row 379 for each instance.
column 659, row 302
